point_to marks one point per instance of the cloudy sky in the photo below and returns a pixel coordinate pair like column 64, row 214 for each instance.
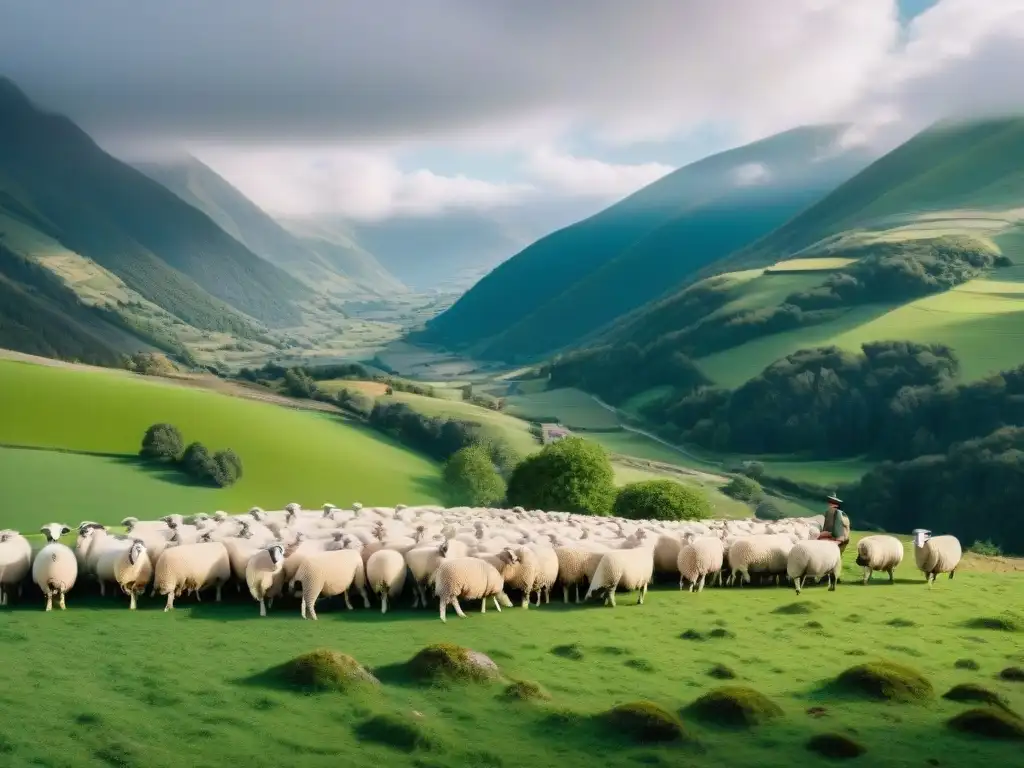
column 418, row 107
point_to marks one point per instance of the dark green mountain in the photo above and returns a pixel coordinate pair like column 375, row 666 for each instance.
column 578, row 279
column 322, row 263
column 54, row 178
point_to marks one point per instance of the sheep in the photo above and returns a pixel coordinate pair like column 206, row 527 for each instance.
column 423, row 561
column 472, row 579
column 630, row 569
column 699, row 557
column 519, row 569
column 575, row 564
column 817, row 558
column 130, row 568
column 761, row 553
column 193, row 567
column 385, row 575
column 55, row 568
column 264, row 575
column 15, row 562
column 547, row 573
column 879, row 553
column 327, row 574
column 936, row 554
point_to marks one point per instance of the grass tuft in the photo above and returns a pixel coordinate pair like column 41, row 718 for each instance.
column 996, row 623
column 795, row 609
column 989, row 722
column 317, row 671
column 722, row 672
column 691, row 634
column 573, row 652
column 901, row 622
column 1013, row 674
column 526, row 690
column 972, row 692
column 735, row 706
column 967, row 664
column 885, row 681
column 395, row 732
column 641, row 665
column 645, row 722
column 721, row 634
column 835, row 746
column 447, row 662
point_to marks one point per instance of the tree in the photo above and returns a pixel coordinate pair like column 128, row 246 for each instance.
column 197, row 462
column 227, row 468
column 744, row 489
column 572, row 475
column 661, row 500
column 162, row 442
column 471, row 478
column 768, row 510
column 298, row 383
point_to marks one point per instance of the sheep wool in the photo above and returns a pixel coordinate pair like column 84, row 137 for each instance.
column 519, row 568
column 879, row 553
column 471, row 579
column 577, row 564
column 385, row 575
column 193, row 567
column 936, row 554
column 55, row 567
column 547, row 572
column 327, row 574
column 15, row 562
column 814, row 559
column 423, row 561
column 264, row 575
column 630, row 569
column 760, row 553
column 698, row 558
column 131, row 569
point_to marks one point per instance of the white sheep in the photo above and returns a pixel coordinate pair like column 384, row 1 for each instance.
column 423, row 561
column 191, row 567
column 55, row 568
column 576, row 564
column 385, row 575
column 814, row 559
column 130, row 568
column 326, row 574
column 760, row 553
column 631, row 569
column 469, row 578
column 879, row 553
column 547, row 571
column 699, row 557
column 936, row 554
column 15, row 562
column 520, row 569
column 264, row 575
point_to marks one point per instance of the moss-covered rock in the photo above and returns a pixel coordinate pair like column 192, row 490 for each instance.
column 1012, row 674
column 447, row 662
column 989, row 722
column 735, row 706
column 319, row 670
column 526, row 690
column 972, row 692
column 835, row 746
column 886, row 681
column 970, row 664
column 645, row 722
column 572, row 651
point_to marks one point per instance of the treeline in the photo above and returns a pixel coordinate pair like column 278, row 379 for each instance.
column 301, row 381
column 164, row 444
column 972, row 491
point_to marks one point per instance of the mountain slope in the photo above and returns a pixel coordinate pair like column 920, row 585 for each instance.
column 578, row 279
column 54, row 177
column 339, row 271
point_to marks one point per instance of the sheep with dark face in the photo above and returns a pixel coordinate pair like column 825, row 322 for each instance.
column 55, row 568
column 264, row 574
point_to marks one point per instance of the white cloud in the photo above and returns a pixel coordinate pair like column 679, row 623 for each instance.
column 750, row 174
column 589, row 177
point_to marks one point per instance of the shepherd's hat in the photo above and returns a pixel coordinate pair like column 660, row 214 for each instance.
column 834, row 499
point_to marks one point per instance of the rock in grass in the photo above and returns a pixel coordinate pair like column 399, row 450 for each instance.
column 972, row 692
column 526, row 690
column 835, row 746
column 735, row 706
column 886, row 681
column 447, row 662
column 989, row 722
column 645, row 722
column 320, row 670
column 396, row 732
column 1013, row 674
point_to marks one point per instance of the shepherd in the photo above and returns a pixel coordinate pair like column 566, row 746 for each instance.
column 837, row 525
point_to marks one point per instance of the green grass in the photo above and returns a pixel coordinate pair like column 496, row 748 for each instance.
column 826, row 263
column 572, row 407
column 145, row 683
column 288, row 455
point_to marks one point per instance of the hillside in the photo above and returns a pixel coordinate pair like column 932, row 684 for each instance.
column 321, row 262
column 59, row 191
column 633, row 251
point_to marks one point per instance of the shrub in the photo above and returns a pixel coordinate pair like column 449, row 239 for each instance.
column 990, row 722
column 226, row 467
column 298, row 383
column 197, row 462
column 745, row 489
column 768, row 510
column 572, row 475
column 471, row 479
column 835, row 746
column 735, row 706
column 986, row 548
column 645, row 722
column 887, row 681
column 162, row 442
column 661, row 500
column 752, row 469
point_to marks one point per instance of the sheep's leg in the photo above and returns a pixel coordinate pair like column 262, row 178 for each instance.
column 444, row 610
column 270, row 603
column 348, row 603
column 49, row 600
column 832, row 579
column 312, row 609
column 220, row 586
column 643, row 593
column 3, row 596
column 170, row 601
column 458, row 608
column 131, row 601
column 578, row 601
column 951, row 574
column 798, row 582
column 681, row 582
column 867, row 575
column 366, row 597
column 198, row 598
column 497, row 605
column 700, row 582
column 302, row 608
column 483, row 605
column 384, row 602
column 263, row 608
column 892, row 576
column 103, row 588
column 565, row 592
column 547, row 595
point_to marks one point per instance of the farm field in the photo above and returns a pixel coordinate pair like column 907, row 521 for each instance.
column 783, row 646
column 371, row 388
column 571, row 407
column 287, row 454
column 983, row 321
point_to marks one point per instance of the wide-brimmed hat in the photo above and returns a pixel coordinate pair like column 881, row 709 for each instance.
column 834, row 499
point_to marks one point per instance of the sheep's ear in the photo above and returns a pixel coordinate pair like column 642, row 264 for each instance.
column 45, row 529
column 64, row 529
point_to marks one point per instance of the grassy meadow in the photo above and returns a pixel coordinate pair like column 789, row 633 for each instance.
column 571, row 407
column 161, row 690
column 287, row 454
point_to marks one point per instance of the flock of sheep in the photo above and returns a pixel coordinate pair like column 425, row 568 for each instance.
column 457, row 553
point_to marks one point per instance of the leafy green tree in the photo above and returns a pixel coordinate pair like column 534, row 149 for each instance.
column 162, row 442
column 745, row 489
column 471, row 478
column 227, row 468
column 197, row 462
column 298, row 383
column 661, row 500
column 768, row 510
column 572, row 475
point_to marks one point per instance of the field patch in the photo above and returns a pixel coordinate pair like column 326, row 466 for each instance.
column 809, row 265
column 571, row 407
column 371, row 388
